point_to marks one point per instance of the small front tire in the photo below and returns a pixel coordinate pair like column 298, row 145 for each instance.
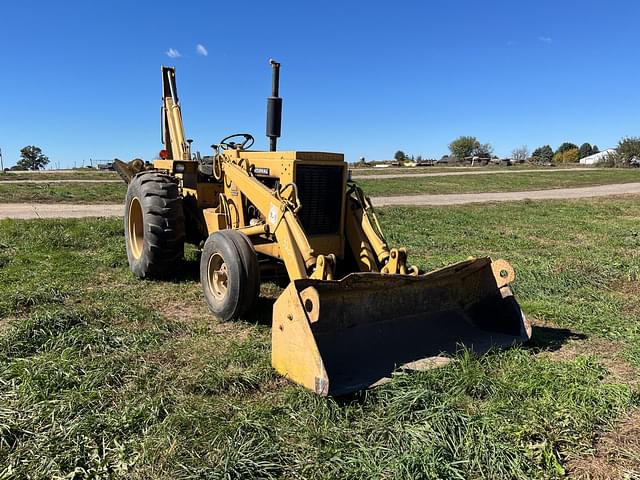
column 229, row 274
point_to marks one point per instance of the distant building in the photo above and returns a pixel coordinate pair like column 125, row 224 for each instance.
column 105, row 166
column 502, row 161
column 385, row 163
column 425, row 162
column 597, row 157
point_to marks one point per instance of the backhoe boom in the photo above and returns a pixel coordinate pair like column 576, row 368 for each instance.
column 173, row 138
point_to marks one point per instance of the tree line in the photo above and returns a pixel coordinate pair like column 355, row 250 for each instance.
column 566, row 153
column 468, row 147
column 626, row 152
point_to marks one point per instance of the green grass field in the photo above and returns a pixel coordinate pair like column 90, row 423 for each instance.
column 115, row 192
column 86, row 174
column 106, row 376
column 496, row 183
column 62, row 192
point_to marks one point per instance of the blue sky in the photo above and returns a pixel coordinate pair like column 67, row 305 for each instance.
column 82, row 79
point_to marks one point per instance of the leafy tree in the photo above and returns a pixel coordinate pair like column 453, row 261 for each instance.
column 464, row 146
column 568, row 156
column 542, row 154
column 595, row 149
column 586, row 150
column 484, row 150
column 400, row 156
column 572, row 156
column 32, row 158
column 566, row 146
column 467, row 146
column 628, row 149
column 520, row 154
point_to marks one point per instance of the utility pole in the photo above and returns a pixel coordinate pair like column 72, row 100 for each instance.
column 1, row 163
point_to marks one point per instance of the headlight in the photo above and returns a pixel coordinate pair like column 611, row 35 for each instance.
column 179, row 167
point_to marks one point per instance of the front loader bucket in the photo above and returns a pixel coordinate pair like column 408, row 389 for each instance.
column 340, row 336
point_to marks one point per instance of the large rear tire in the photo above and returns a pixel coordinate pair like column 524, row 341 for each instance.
column 229, row 274
column 154, row 226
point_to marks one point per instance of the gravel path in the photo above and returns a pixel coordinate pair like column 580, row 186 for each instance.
column 66, row 210
column 473, row 172
column 552, row 194
column 59, row 210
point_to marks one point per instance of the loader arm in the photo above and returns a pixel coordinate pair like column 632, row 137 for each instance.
column 363, row 232
column 298, row 256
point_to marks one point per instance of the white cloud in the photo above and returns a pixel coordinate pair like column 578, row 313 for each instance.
column 545, row 39
column 201, row 50
column 173, row 53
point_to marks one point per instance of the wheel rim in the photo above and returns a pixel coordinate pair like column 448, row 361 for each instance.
column 136, row 228
column 218, row 276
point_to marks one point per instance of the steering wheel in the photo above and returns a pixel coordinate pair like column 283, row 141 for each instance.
column 248, row 141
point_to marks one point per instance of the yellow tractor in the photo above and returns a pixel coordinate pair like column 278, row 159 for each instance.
column 354, row 310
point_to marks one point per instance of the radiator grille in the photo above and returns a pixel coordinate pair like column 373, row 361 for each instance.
column 321, row 193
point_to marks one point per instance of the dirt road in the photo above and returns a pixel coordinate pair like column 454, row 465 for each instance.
column 59, row 210
column 62, row 210
column 552, row 194
column 356, row 175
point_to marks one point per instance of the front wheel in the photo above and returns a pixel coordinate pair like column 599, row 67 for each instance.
column 229, row 274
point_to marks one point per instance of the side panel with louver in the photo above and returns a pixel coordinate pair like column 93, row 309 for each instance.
column 321, row 193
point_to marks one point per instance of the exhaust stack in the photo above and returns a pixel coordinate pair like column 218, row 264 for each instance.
column 274, row 107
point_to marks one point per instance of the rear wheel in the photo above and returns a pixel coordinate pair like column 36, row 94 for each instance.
column 153, row 225
column 229, row 274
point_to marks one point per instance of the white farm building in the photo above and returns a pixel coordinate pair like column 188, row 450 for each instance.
column 597, row 157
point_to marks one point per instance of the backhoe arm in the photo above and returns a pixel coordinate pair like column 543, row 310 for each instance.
column 171, row 118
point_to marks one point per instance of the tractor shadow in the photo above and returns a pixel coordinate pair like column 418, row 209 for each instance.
column 261, row 313
column 543, row 339
column 551, row 339
column 189, row 271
